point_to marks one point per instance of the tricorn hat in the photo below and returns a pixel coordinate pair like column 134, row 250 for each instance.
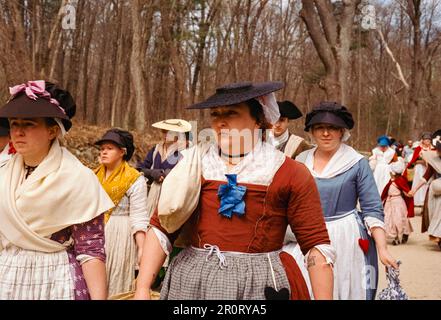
column 36, row 99
column 330, row 113
column 289, row 110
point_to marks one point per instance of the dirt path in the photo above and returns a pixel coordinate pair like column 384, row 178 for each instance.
column 420, row 273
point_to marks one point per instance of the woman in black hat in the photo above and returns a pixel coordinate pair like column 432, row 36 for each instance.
column 288, row 143
column 246, row 192
column 127, row 222
column 432, row 178
column 51, row 208
column 344, row 178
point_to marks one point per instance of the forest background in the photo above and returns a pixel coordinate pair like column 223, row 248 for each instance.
column 130, row 63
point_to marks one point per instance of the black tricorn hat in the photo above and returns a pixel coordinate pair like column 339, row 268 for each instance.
column 289, row 110
column 436, row 134
column 330, row 113
column 22, row 106
column 121, row 138
column 238, row 92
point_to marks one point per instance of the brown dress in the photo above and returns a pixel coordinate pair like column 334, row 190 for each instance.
column 292, row 198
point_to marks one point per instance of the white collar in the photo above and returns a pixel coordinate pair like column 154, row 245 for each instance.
column 343, row 160
column 277, row 141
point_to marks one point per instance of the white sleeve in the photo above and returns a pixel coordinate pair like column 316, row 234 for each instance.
column 371, row 222
column 327, row 250
column 82, row 258
column 163, row 241
column 137, row 195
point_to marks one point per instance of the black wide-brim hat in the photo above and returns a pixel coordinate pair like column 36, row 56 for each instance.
column 238, row 92
column 121, row 138
column 426, row 135
column 329, row 113
column 289, row 110
column 111, row 136
column 21, row 106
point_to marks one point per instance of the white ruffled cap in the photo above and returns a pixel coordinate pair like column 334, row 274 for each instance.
column 270, row 107
column 397, row 167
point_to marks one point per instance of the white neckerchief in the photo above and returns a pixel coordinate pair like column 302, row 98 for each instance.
column 257, row 167
column 343, row 160
column 277, row 141
column 177, row 146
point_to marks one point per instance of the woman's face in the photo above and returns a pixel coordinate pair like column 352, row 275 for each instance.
column 111, row 154
column 427, row 142
column 169, row 136
column 235, row 128
column 280, row 126
column 327, row 137
column 32, row 137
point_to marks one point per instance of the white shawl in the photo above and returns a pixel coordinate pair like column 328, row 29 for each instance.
column 343, row 160
column 4, row 156
column 60, row 192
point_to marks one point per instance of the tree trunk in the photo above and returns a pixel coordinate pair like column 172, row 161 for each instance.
column 136, row 66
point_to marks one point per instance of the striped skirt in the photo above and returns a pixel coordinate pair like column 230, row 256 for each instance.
column 209, row 274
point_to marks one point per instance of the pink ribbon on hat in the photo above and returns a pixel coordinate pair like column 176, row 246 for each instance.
column 33, row 90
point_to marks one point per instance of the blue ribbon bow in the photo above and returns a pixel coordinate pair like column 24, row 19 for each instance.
column 231, row 197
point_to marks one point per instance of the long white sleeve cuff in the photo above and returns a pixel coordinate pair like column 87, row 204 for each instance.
column 371, row 222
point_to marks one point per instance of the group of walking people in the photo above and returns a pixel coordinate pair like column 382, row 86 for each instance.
column 254, row 214
column 407, row 177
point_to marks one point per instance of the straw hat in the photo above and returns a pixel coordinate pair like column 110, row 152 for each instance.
column 175, row 125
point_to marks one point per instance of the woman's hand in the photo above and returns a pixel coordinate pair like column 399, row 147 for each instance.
column 387, row 259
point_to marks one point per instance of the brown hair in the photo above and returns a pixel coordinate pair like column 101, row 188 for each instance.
column 256, row 112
